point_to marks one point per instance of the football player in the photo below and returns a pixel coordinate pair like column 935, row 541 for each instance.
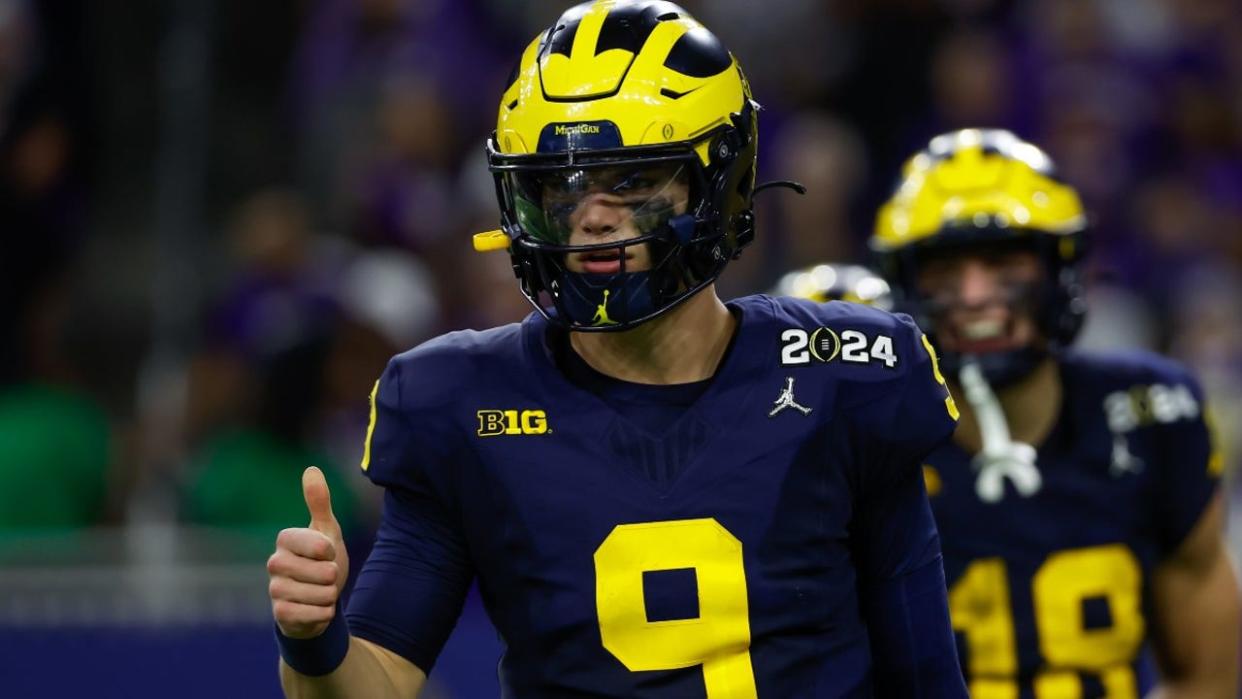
column 659, row 494
column 1078, row 500
column 836, row 282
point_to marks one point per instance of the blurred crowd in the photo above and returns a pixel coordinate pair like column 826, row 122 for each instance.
column 343, row 172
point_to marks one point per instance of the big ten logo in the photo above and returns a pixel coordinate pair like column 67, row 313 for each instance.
column 1145, row 405
column 497, row 422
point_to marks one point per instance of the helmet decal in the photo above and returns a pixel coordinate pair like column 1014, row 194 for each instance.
column 583, row 135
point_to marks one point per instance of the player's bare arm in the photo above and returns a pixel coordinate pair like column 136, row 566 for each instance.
column 306, row 575
column 1198, row 612
column 369, row 670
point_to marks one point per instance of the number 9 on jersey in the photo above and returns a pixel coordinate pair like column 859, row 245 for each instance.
column 718, row 639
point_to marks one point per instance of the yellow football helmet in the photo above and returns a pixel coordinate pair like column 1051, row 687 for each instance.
column 834, row 282
column 638, row 99
column 979, row 187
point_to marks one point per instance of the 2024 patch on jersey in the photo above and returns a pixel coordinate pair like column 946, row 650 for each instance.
column 1050, row 594
column 734, row 577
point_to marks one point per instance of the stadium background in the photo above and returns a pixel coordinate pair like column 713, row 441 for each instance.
column 218, row 220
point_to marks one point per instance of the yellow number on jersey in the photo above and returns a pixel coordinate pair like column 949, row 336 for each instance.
column 979, row 607
column 1059, row 588
column 719, row 639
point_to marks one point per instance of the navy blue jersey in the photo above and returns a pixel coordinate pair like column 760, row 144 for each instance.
column 1050, row 594
column 721, row 555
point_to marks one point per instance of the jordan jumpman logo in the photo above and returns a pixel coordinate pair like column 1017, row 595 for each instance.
column 786, row 400
column 601, row 313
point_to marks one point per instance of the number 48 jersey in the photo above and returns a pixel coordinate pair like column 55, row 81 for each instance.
column 720, row 556
column 1050, row 594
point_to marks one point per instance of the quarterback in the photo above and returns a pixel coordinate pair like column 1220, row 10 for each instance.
column 659, row 494
column 1078, row 499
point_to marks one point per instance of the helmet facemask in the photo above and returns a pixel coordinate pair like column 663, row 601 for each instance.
column 668, row 226
column 974, row 188
column 1052, row 301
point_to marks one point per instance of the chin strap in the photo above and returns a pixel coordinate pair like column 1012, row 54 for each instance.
column 1000, row 457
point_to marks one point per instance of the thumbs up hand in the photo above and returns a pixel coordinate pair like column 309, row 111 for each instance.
column 308, row 570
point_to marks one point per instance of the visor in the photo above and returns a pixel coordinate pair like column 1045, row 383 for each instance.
column 603, row 203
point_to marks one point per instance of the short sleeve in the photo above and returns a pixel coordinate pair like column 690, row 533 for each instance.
column 1190, row 466
column 410, row 591
column 409, row 435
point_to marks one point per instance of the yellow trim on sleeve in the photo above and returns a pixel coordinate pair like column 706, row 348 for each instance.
column 1216, row 464
column 1216, row 455
column 949, row 404
column 931, row 480
column 366, row 446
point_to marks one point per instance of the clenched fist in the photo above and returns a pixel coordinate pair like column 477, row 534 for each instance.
column 308, row 570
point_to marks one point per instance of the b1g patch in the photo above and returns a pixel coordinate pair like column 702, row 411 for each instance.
column 800, row 347
column 493, row 423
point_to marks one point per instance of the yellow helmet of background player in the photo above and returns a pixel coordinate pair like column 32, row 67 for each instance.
column 836, row 282
column 979, row 187
column 631, row 87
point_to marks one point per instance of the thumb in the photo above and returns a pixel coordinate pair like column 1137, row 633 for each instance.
column 318, row 501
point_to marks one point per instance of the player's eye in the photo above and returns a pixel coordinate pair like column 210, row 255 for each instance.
column 564, row 185
column 652, row 213
column 1017, row 266
column 560, row 209
column 937, row 274
column 634, row 183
